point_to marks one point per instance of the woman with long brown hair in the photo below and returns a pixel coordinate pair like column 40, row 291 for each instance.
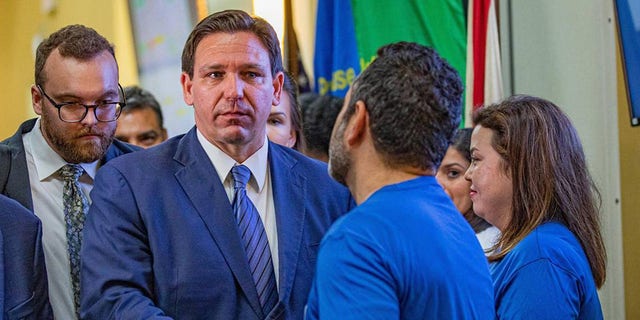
column 284, row 125
column 530, row 179
column 450, row 175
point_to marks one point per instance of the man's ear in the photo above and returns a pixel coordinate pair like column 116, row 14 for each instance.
column 187, row 85
column 36, row 100
column 278, row 85
column 358, row 124
column 164, row 134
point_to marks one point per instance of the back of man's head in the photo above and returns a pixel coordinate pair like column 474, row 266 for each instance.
column 413, row 98
column 319, row 117
column 76, row 41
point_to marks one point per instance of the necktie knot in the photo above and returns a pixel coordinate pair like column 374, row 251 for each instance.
column 241, row 175
column 71, row 172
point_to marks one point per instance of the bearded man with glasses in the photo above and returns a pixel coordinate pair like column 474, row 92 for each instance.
column 49, row 164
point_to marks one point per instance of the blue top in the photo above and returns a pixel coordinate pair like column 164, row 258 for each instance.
column 405, row 253
column 546, row 276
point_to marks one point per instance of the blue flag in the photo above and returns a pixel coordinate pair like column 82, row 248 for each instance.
column 336, row 62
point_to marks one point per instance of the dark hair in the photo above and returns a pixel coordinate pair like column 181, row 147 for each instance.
column 319, row 117
column 138, row 98
column 230, row 21
column 414, row 100
column 551, row 182
column 76, row 41
column 461, row 142
column 290, row 88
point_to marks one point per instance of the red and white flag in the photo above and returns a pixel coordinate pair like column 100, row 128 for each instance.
column 484, row 75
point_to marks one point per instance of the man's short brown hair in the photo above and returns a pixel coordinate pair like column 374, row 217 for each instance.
column 76, row 41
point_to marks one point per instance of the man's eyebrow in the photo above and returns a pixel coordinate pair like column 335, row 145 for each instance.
column 242, row 68
column 253, row 65
column 72, row 95
column 148, row 133
column 208, row 67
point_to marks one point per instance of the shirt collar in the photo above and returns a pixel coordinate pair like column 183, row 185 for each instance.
column 223, row 163
column 46, row 160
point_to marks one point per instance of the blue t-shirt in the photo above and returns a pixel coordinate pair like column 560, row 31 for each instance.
column 546, row 276
column 404, row 253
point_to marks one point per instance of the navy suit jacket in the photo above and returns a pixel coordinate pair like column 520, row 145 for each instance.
column 23, row 278
column 14, row 173
column 161, row 240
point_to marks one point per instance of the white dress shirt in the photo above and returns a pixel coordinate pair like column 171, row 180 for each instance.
column 46, row 191
column 488, row 237
column 258, row 189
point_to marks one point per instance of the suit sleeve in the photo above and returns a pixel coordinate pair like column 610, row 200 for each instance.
column 40, row 286
column 117, row 277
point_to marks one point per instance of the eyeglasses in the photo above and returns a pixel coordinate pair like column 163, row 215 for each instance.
column 106, row 111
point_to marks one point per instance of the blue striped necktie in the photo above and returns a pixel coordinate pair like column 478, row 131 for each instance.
column 76, row 206
column 255, row 240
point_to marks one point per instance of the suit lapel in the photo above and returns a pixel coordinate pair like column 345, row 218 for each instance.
column 210, row 200
column 17, row 184
column 289, row 187
column 2, row 275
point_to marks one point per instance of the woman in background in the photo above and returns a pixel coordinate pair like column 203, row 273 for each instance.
column 284, row 125
column 450, row 175
column 529, row 178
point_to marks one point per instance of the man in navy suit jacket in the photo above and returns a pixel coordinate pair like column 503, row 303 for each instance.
column 23, row 278
column 161, row 239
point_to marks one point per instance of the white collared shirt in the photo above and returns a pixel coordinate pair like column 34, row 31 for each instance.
column 259, row 188
column 46, row 191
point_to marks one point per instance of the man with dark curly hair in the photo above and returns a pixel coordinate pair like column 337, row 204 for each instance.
column 404, row 252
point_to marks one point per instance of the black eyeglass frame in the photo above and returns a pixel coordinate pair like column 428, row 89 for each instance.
column 119, row 106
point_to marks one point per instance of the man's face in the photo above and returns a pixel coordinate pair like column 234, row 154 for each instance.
column 232, row 90
column 339, row 160
column 140, row 127
column 88, row 82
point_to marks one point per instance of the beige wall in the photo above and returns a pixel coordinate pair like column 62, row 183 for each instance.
column 25, row 23
column 630, row 182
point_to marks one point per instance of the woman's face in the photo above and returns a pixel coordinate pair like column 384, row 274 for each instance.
column 491, row 187
column 279, row 129
column 450, row 175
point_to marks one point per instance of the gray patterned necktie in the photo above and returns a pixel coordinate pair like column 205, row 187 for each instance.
column 76, row 206
column 255, row 240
